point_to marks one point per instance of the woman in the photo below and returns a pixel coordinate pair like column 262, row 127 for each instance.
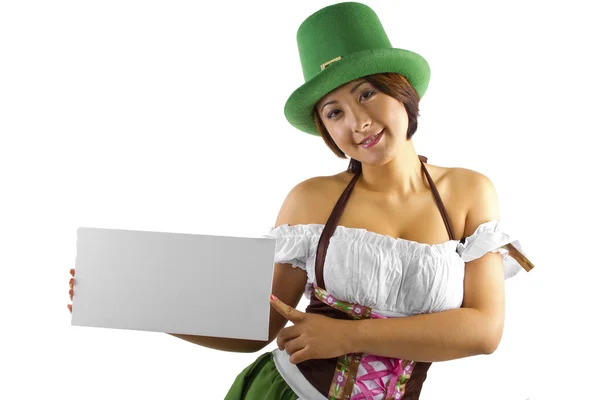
column 390, row 237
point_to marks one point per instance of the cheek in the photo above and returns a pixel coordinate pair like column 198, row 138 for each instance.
column 399, row 120
column 337, row 133
column 397, row 117
column 339, row 140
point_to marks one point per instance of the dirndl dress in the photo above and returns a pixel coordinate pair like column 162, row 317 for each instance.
column 337, row 379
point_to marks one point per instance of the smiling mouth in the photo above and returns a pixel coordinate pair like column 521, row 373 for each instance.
column 371, row 138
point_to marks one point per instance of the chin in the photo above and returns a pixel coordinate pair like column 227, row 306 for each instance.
column 375, row 162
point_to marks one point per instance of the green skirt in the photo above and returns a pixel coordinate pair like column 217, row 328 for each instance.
column 260, row 381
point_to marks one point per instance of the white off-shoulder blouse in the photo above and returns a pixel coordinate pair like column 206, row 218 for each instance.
column 394, row 277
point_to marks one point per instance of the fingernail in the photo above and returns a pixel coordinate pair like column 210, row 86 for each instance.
column 273, row 297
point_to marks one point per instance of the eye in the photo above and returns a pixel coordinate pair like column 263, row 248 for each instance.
column 332, row 114
column 367, row 94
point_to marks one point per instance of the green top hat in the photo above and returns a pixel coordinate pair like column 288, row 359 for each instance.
column 338, row 44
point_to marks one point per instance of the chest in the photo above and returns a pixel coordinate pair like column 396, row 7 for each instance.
column 418, row 219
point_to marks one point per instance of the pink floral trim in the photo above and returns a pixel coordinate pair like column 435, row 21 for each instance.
column 397, row 370
column 355, row 310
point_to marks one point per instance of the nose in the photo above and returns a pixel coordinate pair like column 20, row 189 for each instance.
column 360, row 119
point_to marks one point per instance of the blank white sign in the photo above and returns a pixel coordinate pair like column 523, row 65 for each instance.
column 173, row 282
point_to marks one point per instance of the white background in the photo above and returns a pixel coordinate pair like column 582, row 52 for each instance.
column 168, row 116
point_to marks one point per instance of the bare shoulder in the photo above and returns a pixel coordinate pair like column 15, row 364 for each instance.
column 455, row 182
column 479, row 197
column 304, row 203
column 465, row 179
column 469, row 196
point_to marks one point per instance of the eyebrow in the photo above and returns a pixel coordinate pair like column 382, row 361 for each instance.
column 351, row 91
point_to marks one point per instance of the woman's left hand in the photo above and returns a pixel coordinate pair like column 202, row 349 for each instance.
column 312, row 336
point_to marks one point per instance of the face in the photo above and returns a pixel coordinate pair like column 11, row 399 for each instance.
column 355, row 112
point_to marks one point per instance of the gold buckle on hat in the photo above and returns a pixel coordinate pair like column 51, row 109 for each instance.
column 325, row 65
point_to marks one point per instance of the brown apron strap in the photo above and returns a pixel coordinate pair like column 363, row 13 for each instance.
column 329, row 229
column 336, row 214
column 438, row 200
column 320, row 372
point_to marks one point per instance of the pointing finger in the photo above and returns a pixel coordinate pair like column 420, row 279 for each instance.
column 285, row 310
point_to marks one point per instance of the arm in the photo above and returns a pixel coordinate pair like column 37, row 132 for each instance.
column 288, row 282
column 475, row 328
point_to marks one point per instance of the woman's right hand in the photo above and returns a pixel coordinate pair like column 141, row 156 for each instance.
column 71, row 283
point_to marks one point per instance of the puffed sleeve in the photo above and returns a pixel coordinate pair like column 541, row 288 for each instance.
column 488, row 237
column 293, row 244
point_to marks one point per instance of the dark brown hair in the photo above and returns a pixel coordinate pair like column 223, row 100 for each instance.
column 392, row 84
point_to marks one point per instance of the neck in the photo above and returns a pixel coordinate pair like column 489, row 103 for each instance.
column 400, row 177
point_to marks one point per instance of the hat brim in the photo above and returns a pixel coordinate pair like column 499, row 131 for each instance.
column 299, row 107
